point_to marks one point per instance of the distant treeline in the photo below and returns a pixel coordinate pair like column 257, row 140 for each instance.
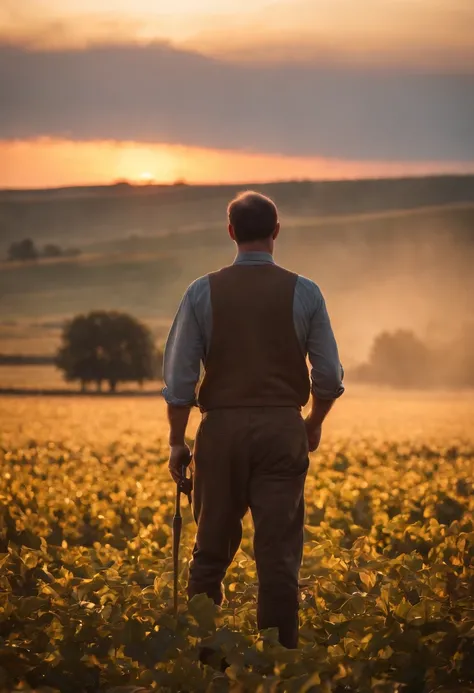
column 25, row 360
column 27, row 250
column 401, row 359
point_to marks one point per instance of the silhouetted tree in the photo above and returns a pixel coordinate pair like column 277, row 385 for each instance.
column 403, row 360
column 52, row 250
column 398, row 358
column 23, row 250
column 107, row 346
column 71, row 252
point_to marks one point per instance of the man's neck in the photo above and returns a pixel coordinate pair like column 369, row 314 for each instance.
column 255, row 247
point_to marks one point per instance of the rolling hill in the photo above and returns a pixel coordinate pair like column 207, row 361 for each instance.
column 386, row 254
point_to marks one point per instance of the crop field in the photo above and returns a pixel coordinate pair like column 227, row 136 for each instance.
column 387, row 584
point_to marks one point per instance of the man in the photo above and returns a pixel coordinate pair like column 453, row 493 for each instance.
column 251, row 325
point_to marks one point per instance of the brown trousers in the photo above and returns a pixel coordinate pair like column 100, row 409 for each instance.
column 255, row 458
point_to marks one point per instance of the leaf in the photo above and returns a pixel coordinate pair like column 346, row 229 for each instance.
column 384, row 599
column 386, row 653
column 90, row 586
column 29, row 558
column 224, row 639
column 29, row 605
column 313, row 680
column 402, row 609
column 368, row 579
column 353, row 606
column 27, row 538
column 203, row 610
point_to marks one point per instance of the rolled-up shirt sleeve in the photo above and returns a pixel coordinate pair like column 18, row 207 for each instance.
column 326, row 369
column 183, row 354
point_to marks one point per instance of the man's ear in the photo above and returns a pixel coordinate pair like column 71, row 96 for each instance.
column 231, row 232
column 277, row 231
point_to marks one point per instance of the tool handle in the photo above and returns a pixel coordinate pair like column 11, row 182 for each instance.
column 177, row 509
column 177, row 522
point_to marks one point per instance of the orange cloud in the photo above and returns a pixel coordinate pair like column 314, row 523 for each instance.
column 421, row 32
column 417, row 32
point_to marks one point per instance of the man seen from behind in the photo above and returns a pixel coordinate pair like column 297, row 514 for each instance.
column 251, row 325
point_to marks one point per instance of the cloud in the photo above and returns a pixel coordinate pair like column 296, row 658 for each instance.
column 410, row 32
column 158, row 93
column 417, row 32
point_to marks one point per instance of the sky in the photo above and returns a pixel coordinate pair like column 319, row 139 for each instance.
column 233, row 90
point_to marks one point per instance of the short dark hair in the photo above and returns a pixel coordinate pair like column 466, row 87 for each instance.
column 253, row 217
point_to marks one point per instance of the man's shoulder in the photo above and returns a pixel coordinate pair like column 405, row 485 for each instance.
column 198, row 285
column 308, row 294
column 198, row 290
column 308, row 286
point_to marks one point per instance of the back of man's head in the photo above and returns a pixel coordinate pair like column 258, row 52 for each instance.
column 253, row 217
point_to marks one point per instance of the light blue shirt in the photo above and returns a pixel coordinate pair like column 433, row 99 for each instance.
column 190, row 337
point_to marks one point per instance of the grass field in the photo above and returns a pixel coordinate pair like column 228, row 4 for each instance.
column 85, row 555
column 47, row 378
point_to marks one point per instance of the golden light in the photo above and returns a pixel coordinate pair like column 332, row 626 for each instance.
column 146, row 177
column 53, row 162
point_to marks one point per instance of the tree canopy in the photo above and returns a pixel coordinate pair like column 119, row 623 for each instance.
column 402, row 359
column 23, row 250
column 107, row 346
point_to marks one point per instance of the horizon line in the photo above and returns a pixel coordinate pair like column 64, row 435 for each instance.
column 281, row 181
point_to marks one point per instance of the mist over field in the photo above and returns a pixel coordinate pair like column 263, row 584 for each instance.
column 388, row 255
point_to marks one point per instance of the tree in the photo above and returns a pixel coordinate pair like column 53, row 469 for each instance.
column 71, row 252
column 399, row 358
column 107, row 346
column 23, row 250
column 52, row 250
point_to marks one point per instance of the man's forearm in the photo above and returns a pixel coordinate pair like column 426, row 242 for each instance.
column 178, row 419
column 320, row 408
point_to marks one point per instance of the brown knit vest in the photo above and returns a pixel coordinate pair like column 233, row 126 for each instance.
column 254, row 358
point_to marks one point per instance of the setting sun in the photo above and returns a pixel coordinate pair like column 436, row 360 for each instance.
column 146, row 177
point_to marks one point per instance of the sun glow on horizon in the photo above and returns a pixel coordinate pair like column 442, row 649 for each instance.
column 55, row 163
column 146, row 178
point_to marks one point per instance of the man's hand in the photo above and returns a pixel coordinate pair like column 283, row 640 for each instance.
column 319, row 410
column 314, row 434
column 180, row 456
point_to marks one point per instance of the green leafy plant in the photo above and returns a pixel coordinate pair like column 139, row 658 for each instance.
column 86, row 582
